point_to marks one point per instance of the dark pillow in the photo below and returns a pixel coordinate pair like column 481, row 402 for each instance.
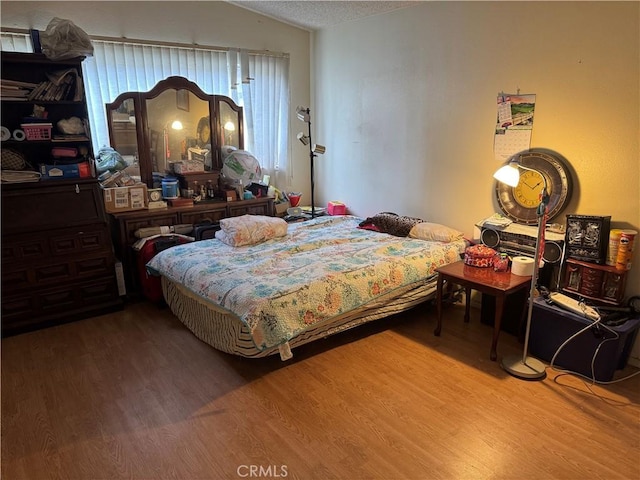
column 391, row 223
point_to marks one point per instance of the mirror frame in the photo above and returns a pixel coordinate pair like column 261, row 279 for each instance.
column 142, row 124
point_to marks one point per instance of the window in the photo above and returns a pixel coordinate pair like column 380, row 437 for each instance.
column 117, row 67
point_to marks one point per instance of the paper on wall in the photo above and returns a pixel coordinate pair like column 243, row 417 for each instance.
column 514, row 125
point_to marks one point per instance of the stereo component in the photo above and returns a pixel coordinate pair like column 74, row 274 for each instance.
column 521, row 244
column 516, row 240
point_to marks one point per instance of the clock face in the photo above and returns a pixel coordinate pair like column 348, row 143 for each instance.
column 204, row 132
column 520, row 203
column 155, row 195
column 527, row 192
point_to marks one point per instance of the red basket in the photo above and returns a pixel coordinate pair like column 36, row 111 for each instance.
column 37, row 131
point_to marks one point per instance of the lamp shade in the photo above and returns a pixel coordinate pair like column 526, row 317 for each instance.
column 303, row 114
column 304, row 139
column 317, row 148
column 508, row 174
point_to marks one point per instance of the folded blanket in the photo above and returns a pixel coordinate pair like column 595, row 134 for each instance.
column 250, row 229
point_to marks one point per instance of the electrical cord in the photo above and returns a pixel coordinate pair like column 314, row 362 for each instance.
column 597, row 324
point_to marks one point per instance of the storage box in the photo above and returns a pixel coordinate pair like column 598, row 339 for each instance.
column 124, row 199
column 281, row 208
column 188, row 166
column 479, row 256
column 230, row 195
column 551, row 326
column 194, row 180
column 66, row 152
column 74, row 170
column 336, row 208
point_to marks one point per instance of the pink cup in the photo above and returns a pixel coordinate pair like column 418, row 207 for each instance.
column 294, row 199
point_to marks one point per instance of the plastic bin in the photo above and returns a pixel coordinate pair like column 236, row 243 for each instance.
column 37, row 131
column 552, row 325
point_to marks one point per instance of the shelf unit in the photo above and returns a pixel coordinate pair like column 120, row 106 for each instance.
column 57, row 256
column 33, row 68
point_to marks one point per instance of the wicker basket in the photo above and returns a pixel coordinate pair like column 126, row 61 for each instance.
column 37, row 131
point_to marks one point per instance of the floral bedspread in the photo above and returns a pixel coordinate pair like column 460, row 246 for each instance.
column 321, row 269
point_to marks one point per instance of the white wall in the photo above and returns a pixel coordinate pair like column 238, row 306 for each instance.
column 407, row 110
column 407, row 106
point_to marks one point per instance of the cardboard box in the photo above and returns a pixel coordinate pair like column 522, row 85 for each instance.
column 74, row 170
column 281, row 208
column 230, row 195
column 125, row 199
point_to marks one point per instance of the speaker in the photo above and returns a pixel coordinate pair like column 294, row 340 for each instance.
column 522, row 242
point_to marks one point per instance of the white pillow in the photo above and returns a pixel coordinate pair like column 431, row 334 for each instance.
column 434, row 232
column 250, row 229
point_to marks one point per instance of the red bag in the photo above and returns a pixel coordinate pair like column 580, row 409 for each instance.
column 147, row 248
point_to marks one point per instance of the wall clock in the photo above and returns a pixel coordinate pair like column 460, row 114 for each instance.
column 203, row 132
column 520, row 203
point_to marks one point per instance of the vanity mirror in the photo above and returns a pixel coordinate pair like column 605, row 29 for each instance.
column 173, row 121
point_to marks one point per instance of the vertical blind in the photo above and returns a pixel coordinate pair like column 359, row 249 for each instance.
column 263, row 92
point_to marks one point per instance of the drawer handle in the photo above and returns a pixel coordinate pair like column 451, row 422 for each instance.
column 77, row 188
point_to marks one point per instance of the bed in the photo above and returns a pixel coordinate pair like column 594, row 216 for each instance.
column 320, row 277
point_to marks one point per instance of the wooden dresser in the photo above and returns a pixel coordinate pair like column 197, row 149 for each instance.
column 125, row 224
column 57, row 255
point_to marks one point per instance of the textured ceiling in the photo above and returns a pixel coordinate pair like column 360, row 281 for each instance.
column 314, row 15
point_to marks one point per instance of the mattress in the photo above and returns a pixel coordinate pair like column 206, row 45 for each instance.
column 324, row 276
column 227, row 333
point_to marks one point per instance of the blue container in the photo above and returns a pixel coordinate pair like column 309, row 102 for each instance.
column 552, row 325
column 169, row 187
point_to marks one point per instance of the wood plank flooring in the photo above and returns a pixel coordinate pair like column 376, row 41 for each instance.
column 134, row 394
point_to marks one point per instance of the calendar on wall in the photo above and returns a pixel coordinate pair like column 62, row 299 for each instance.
column 514, row 124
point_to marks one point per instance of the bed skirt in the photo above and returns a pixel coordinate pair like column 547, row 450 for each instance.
column 227, row 333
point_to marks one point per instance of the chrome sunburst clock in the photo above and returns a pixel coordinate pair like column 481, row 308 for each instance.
column 520, row 203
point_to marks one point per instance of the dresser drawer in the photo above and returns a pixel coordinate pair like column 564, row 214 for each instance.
column 55, row 272
column 213, row 216
column 243, row 209
column 75, row 242
column 19, row 249
column 50, row 206
column 57, row 304
column 131, row 225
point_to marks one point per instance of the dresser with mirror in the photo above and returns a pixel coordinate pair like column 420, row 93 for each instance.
column 173, row 122
column 170, row 123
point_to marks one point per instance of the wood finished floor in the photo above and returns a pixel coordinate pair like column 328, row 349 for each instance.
column 135, row 395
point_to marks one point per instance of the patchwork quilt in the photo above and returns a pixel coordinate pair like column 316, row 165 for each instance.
column 320, row 269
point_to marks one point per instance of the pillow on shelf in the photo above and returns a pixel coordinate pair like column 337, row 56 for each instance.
column 434, row 232
column 250, row 229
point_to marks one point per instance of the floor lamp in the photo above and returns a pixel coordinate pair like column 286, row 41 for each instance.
column 304, row 114
column 526, row 367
